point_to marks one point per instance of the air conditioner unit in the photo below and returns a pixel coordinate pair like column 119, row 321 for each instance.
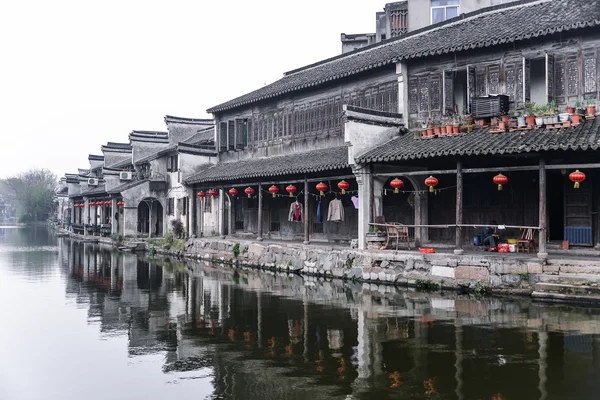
column 126, row 175
column 92, row 181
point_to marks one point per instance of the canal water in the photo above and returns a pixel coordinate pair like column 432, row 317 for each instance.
column 80, row 321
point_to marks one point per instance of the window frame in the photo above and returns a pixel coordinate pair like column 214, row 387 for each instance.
column 432, row 7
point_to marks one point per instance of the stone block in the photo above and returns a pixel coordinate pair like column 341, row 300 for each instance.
column 495, row 281
column 374, row 276
column 551, row 269
column 534, row 268
column 471, row 272
column 511, row 280
column 506, row 268
column 446, row 272
column 382, row 276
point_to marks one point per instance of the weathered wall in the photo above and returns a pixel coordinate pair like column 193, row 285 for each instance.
column 419, row 11
column 143, row 149
column 180, row 131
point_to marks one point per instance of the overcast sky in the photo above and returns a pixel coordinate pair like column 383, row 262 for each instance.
column 76, row 74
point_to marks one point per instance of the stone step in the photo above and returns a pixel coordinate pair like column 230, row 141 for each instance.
column 562, row 288
column 570, row 279
column 578, row 298
column 574, row 262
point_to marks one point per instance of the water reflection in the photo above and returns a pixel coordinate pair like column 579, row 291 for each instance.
column 259, row 335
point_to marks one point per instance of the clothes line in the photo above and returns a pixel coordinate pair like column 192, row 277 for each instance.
column 461, row 226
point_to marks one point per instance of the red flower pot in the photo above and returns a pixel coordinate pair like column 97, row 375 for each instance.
column 437, row 130
column 455, row 129
column 530, row 120
column 502, row 125
column 429, row 131
column 575, row 118
column 570, row 110
column 591, row 110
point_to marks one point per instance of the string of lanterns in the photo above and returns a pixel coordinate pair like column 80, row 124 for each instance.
column 105, row 203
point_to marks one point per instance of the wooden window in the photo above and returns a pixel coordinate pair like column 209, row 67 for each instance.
column 172, row 163
column 231, row 135
column 170, row 205
column 223, row 136
column 184, row 206
column 241, row 133
column 590, row 75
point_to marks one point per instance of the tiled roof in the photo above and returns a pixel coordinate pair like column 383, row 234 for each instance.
column 156, row 155
column 116, row 146
column 203, row 136
column 125, row 186
column 101, row 189
column 120, row 164
column 297, row 163
column 94, row 157
column 490, row 26
column 183, row 120
column 480, row 142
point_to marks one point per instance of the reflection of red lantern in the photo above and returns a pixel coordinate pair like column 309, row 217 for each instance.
column 213, row 192
column 249, row 191
column 344, row 186
column 432, row 183
column 321, row 187
column 201, row 194
column 397, row 184
column 500, row 180
column 291, row 189
column 274, row 190
column 233, row 191
column 577, row 177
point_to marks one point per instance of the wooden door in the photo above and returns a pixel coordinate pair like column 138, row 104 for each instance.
column 578, row 214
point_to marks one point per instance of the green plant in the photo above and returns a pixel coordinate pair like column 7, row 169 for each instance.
column 578, row 104
column 179, row 245
column 481, row 288
column 427, row 285
column 116, row 237
column 236, row 250
column 349, row 262
column 530, row 108
column 590, row 102
column 177, row 228
column 167, row 241
column 524, row 277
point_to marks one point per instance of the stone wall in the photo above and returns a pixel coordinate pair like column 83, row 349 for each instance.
column 388, row 267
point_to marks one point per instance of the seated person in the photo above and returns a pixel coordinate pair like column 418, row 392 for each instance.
column 490, row 237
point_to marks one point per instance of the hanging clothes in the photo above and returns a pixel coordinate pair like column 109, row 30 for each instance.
column 354, row 201
column 296, row 212
column 319, row 214
column 336, row 211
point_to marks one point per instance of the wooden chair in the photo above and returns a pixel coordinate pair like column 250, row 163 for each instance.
column 398, row 232
column 526, row 241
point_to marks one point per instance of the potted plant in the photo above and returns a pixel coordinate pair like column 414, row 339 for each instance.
column 429, row 128
column 591, row 107
column 539, row 112
column 512, row 122
column 530, row 113
column 443, row 128
column 455, row 127
column 505, row 117
column 437, row 130
column 570, row 109
column 550, row 116
column 579, row 109
column 469, row 125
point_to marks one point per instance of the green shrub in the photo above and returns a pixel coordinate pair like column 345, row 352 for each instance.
column 167, row 241
column 426, row 285
column 116, row 237
column 177, row 228
column 179, row 245
column 236, row 250
column 482, row 288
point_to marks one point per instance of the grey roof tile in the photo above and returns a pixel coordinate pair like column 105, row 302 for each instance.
column 483, row 28
column 297, row 163
column 128, row 185
column 480, row 142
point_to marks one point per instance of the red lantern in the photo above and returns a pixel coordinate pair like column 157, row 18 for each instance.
column 500, row 180
column 201, row 194
column 120, row 203
column 274, row 190
column 213, row 192
column 107, row 203
column 432, row 183
column 249, row 191
column 577, row 177
column 397, row 184
column 233, row 191
column 344, row 186
column 321, row 187
column 291, row 189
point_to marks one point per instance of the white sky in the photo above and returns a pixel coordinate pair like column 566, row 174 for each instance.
column 76, row 74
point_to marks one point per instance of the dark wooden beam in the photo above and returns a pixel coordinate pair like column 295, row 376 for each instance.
column 542, row 253
column 260, row 212
column 305, row 214
column 459, row 208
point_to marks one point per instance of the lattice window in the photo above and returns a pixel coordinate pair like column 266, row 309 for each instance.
column 589, row 73
column 572, row 77
column 399, row 22
column 510, row 82
column 413, row 96
column 494, row 79
column 231, row 134
column 481, row 82
column 435, row 87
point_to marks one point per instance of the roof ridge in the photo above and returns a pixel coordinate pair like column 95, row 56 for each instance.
column 426, row 29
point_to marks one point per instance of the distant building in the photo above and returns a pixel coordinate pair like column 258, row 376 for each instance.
column 400, row 17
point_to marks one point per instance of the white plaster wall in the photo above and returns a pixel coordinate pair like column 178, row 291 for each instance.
column 362, row 137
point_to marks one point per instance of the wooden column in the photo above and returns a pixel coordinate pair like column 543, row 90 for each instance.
column 260, row 214
column 542, row 253
column 193, row 210
column 305, row 215
column 222, row 212
column 459, row 208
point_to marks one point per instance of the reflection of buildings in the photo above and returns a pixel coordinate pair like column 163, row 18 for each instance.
column 263, row 334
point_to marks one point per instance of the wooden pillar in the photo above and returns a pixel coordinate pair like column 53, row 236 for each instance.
column 305, row 214
column 114, row 212
column 149, row 202
column 542, row 253
column 222, row 212
column 260, row 213
column 459, row 208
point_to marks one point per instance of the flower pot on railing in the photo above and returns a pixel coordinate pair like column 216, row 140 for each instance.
column 564, row 117
column 530, row 119
column 443, row 129
column 521, row 121
column 570, row 110
column 539, row 121
column 437, row 130
column 502, row 125
column 591, row 110
column 575, row 118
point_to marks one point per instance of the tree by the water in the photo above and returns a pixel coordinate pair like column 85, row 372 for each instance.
column 34, row 194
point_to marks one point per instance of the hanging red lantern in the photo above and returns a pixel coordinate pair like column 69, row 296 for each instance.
column 233, row 191
column 274, row 190
column 500, row 180
column 213, row 192
column 321, row 187
column 344, row 186
column 432, row 183
column 201, row 194
column 249, row 191
column 121, row 203
column 397, row 184
column 107, row 203
column 291, row 189
column 577, row 177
